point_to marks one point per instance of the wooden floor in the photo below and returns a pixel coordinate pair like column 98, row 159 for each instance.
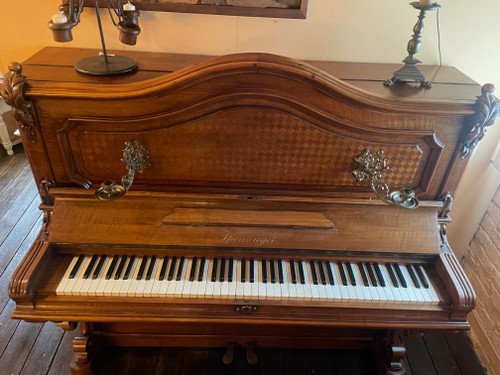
column 38, row 349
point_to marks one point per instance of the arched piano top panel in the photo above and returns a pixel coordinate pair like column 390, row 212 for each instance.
column 246, row 121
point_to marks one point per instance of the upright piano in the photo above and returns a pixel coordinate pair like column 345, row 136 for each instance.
column 248, row 199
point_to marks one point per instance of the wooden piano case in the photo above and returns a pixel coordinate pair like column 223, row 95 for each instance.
column 247, row 155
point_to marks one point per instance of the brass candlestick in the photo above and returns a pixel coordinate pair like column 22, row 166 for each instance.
column 409, row 72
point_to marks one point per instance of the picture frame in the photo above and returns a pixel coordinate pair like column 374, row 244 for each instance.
column 293, row 9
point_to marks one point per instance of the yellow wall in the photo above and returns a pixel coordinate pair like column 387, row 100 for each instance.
column 354, row 30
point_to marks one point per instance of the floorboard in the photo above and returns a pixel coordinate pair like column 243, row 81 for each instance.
column 44, row 349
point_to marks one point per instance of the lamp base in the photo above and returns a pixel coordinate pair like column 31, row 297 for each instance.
column 409, row 73
column 97, row 66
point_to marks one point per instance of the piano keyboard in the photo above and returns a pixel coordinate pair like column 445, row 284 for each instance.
column 247, row 279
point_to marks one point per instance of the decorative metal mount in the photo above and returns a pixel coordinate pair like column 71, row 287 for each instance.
column 136, row 157
column 12, row 91
column 409, row 72
column 487, row 112
column 370, row 167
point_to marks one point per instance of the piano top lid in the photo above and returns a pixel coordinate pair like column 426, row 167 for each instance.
column 179, row 220
column 454, row 91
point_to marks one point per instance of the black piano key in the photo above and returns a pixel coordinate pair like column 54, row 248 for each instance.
column 129, row 268
column 329, row 272
column 151, row 267
column 280, row 272
column 293, row 275
column 400, row 276
column 142, row 267
column 302, row 278
column 119, row 270
column 350, row 273
column 97, row 270
column 201, row 271
column 273, row 273
column 163, row 269
column 214, row 270
column 252, row 270
column 363, row 274
column 192, row 271
column 381, row 280
column 422, row 277
column 413, row 276
column 243, row 270
column 222, row 269
column 371, row 274
column 182, row 263
column 392, row 275
column 76, row 267
column 112, row 266
column 264, row 271
column 90, row 267
column 314, row 275
column 230, row 270
column 172, row 269
column 343, row 277
column 322, row 274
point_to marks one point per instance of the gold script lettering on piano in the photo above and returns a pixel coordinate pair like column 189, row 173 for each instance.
column 247, row 227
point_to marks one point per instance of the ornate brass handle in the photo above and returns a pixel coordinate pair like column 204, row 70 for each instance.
column 370, row 167
column 136, row 157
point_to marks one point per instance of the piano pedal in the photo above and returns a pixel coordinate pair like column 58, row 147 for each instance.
column 229, row 354
column 251, row 356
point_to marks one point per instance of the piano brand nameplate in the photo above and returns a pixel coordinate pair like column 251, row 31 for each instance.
column 248, row 218
column 212, row 221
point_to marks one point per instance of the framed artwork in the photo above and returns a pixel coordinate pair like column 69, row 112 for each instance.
column 248, row 8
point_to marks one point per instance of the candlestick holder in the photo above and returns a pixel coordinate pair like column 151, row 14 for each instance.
column 409, row 72
column 103, row 64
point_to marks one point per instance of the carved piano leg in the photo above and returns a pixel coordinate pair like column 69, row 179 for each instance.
column 82, row 346
column 395, row 353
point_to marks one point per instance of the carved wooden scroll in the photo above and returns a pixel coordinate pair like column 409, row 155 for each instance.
column 486, row 114
column 12, row 91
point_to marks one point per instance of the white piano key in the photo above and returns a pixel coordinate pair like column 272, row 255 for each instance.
column 261, row 285
column 254, row 293
column 232, row 285
column 190, row 286
column 163, row 285
column 92, row 291
column 432, row 291
column 411, row 286
column 239, row 289
column 309, row 280
column 292, row 288
column 148, row 284
column 395, row 290
column 155, row 279
column 389, row 295
column 224, row 287
column 358, row 292
column 141, row 284
column 61, row 287
column 327, row 288
column 364, row 289
column 76, row 283
column 381, row 291
column 308, row 294
column 337, row 295
column 247, row 286
column 132, row 280
column 344, row 292
column 209, row 288
column 179, row 284
column 217, row 283
column 275, row 287
column 374, row 290
column 285, row 294
column 103, row 282
column 114, row 288
column 200, row 292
